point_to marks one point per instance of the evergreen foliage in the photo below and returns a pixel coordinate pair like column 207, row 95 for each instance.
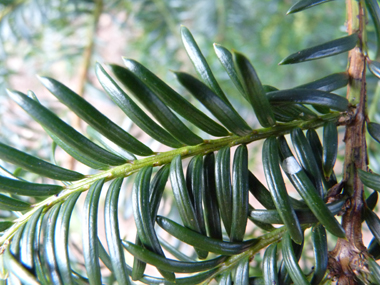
column 205, row 177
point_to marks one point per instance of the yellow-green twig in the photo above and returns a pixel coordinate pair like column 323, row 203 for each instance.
column 165, row 158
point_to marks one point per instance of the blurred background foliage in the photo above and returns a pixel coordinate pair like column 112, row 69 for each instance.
column 64, row 39
column 43, row 32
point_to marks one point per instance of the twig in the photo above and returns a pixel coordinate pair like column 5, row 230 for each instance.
column 162, row 159
column 87, row 56
column 346, row 260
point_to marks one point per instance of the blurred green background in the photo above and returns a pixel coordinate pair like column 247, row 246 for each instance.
column 43, row 33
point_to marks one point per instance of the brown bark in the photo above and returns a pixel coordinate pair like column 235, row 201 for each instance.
column 346, row 261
